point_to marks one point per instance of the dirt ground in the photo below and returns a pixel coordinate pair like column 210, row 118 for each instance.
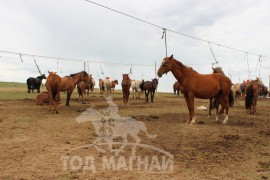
column 33, row 141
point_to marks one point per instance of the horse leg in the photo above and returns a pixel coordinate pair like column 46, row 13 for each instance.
column 187, row 101
column 56, row 102
column 224, row 101
column 178, row 92
column 191, row 104
column 152, row 96
column 210, row 107
column 68, row 98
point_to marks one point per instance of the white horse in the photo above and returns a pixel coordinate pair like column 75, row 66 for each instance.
column 135, row 87
column 108, row 86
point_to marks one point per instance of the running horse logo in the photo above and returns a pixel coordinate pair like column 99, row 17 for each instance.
column 109, row 125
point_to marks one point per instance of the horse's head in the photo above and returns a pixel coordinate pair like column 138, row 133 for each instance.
column 125, row 76
column 43, row 76
column 85, row 77
column 165, row 66
column 116, row 82
column 218, row 70
column 50, row 73
column 155, row 82
column 260, row 81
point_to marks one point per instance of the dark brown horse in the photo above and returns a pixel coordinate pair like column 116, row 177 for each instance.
column 150, row 87
column 35, row 83
column 114, row 83
column 126, row 83
column 213, row 102
column 252, row 92
column 53, row 85
column 68, row 83
column 198, row 85
column 176, row 88
column 263, row 91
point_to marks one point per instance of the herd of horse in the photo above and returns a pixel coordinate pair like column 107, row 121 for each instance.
column 216, row 87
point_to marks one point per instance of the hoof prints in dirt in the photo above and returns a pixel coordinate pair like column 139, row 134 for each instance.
column 264, row 133
column 241, row 123
column 231, row 137
column 150, row 117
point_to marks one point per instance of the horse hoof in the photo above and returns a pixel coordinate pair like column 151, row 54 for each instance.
column 224, row 122
column 57, row 112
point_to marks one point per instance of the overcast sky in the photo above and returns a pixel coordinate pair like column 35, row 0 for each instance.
column 81, row 30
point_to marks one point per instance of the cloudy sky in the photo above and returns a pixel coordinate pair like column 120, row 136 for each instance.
column 83, row 31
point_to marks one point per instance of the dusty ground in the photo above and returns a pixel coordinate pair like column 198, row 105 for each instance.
column 32, row 141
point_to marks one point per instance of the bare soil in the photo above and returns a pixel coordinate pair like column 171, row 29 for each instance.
column 32, row 141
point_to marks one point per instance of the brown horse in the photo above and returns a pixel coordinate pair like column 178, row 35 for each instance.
column 68, row 83
column 150, row 87
column 101, row 86
column 263, row 91
column 213, row 102
column 176, row 88
column 126, row 83
column 198, row 85
column 53, row 85
column 252, row 92
column 114, row 83
column 81, row 88
column 42, row 98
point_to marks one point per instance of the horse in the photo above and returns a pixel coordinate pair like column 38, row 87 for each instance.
column 81, row 88
column 150, row 87
column 107, row 86
column 88, row 86
column 126, row 83
column 68, row 83
column 101, row 86
column 252, row 92
column 240, row 88
column 53, row 84
column 263, row 91
column 176, row 88
column 136, row 89
column 92, row 84
column 203, row 86
column 213, row 103
column 42, row 98
column 114, row 83
column 35, row 83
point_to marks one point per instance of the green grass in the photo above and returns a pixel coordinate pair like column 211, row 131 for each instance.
column 15, row 90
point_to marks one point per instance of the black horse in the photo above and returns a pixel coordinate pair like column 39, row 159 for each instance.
column 35, row 83
column 149, row 87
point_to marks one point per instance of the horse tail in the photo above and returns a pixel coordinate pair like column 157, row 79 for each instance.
column 249, row 96
column 231, row 98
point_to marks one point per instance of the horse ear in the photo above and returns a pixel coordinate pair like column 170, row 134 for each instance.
column 171, row 56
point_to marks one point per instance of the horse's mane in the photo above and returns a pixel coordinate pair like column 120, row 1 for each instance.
column 72, row 75
column 181, row 64
column 39, row 77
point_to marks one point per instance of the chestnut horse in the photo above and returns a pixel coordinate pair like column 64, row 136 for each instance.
column 53, row 85
column 252, row 92
column 176, row 88
column 150, row 87
column 126, row 83
column 114, row 83
column 198, row 85
column 81, row 88
column 68, row 83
